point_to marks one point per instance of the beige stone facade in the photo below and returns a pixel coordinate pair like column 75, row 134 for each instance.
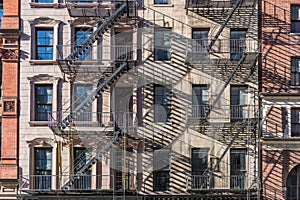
column 161, row 103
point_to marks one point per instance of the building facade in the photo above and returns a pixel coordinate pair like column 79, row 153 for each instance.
column 9, row 54
column 139, row 99
column 280, row 99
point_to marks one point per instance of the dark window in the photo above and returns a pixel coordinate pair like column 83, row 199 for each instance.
column 295, row 18
column 44, row 44
column 81, row 158
column 162, row 1
column 295, row 122
column 80, row 36
column 200, row 44
column 82, row 91
column 43, row 99
column 199, row 162
column 237, row 44
column 238, row 102
column 122, row 166
column 162, row 103
column 200, row 99
column 237, row 168
column 293, row 184
column 124, row 45
column 295, row 71
column 43, row 167
column 162, row 44
column 161, row 168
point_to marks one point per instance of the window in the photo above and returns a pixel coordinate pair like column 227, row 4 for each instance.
column 200, row 44
column 43, row 99
column 1, row 12
column 162, row 44
column 237, row 44
column 238, row 102
column 121, row 166
column 161, row 167
column 44, row 1
column 237, row 168
column 80, row 36
column 200, row 97
column 81, row 158
column 295, row 71
column 162, row 1
column 162, row 103
column 295, row 126
column 295, row 18
column 82, row 91
column 199, row 162
column 43, row 167
column 293, row 184
column 44, row 44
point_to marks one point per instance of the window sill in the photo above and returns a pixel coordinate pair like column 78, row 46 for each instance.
column 163, row 5
column 42, row 62
column 38, row 123
column 47, row 5
column 295, row 86
column 295, row 34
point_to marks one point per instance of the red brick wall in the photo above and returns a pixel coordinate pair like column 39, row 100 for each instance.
column 276, row 165
column 10, row 87
column 278, row 45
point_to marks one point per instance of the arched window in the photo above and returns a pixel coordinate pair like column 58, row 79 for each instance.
column 293, row 184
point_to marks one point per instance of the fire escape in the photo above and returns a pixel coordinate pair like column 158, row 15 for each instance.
column 243, row 54
column 100, row 131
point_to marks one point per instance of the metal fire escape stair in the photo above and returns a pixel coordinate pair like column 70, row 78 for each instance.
column 87, row 165
column 121, row 69
column 236, row 5
column 66, row 65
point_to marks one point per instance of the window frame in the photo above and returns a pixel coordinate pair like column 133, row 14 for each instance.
column 200, row 44
column 162, row 49
column 238, row 111
column 295, row 71
column 155, row 2
column 36, row 104
column 161, row 170
column 45, row 178
column 235, row 181
column 238, row 45
column 200, row 108
column 85, row 180
column 87, row 55
column 295, row 122
column 38, row 1
column 295, row 21
column 166, row 106
column 37, row 46
column 294, row 173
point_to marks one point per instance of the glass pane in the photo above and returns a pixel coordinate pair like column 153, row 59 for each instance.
column 161, row 1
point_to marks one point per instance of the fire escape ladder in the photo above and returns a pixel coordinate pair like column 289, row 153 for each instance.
column 103, row 28
column 87, row 165
column 237, row 3
column 225, row 85
column 242, row 127
column 96, row 93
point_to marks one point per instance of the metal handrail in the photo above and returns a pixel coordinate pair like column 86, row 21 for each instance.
column 100, row 52
column 95, row 119
column 206, row 182
column 221, row 113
